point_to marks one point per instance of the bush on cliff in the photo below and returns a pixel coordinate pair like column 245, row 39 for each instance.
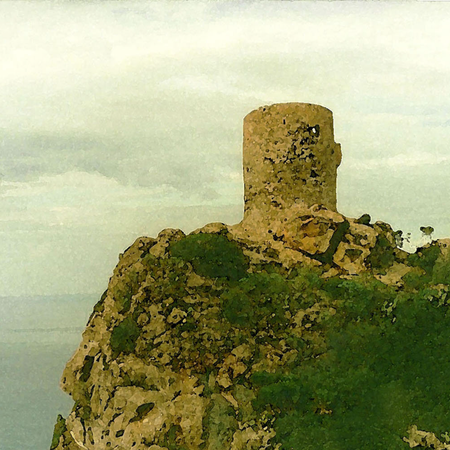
column 386, row 368
column 212, row 255
column 341, row 363
column 124, row 336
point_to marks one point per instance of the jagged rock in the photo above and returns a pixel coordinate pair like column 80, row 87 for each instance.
column 424, row 439
column 165, row 361
column 170, row 354
column 145, row 380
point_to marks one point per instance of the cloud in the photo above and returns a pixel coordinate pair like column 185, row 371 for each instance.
column 90, row 200
column 399, row 162
column 75, row 199
column 119, row 118
column 121, row 90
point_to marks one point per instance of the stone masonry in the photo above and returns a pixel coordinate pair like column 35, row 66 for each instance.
column 290, row 158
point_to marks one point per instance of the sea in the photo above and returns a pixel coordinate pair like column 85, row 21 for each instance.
column 38, row 335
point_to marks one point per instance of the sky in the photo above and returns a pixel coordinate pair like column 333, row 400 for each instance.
column 119, row 119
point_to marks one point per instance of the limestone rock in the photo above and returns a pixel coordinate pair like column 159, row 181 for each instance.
column 424, row 439
column 171, row 352
column 165, row 361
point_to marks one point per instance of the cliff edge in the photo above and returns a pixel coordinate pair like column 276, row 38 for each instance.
column 298, row 328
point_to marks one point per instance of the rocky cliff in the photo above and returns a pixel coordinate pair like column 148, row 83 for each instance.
column 297, row 328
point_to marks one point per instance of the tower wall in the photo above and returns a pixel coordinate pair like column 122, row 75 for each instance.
column 290, row 157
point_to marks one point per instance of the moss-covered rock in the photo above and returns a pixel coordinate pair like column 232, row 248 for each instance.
column 296, row 329
column 209, row 341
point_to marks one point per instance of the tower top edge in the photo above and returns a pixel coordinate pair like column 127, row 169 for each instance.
column 290, row 107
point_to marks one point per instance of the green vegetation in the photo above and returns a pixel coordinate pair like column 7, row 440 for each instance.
column 427, row 231
column 60, row 429
column 386, row 366
column 128, row 288
column 382, row 255
column 86, row 369
column 142, row 411
column 425, row 258
column 212, row 255
column 219, row 423
column 260, row 297
column 170, row 439
column 370, row 360
column 124, row 336
column 441, row 272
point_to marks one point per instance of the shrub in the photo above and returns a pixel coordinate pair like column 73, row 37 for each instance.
column 374, row 382
column 124, row 336
column 126, row 289
column 385, row 369
column 212, row 255
column 258, row 297
column 425, row 258
column 60, row 429
column 441, row 270
column 382, row 255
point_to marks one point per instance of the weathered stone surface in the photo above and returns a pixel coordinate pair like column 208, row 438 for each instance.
column 424, row 439
column 321, row 237
column 163, row 390
column 290, row 157
column 161, row 367
column 167, row 357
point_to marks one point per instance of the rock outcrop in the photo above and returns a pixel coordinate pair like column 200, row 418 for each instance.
column 173, row 351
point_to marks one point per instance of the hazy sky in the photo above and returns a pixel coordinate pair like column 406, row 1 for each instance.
column 118, row 119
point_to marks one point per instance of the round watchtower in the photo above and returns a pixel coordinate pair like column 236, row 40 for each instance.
column 290, row 157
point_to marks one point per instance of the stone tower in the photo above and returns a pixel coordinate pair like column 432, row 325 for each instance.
column 290, row 158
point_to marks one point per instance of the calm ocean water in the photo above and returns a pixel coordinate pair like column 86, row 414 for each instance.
column 37, row 337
